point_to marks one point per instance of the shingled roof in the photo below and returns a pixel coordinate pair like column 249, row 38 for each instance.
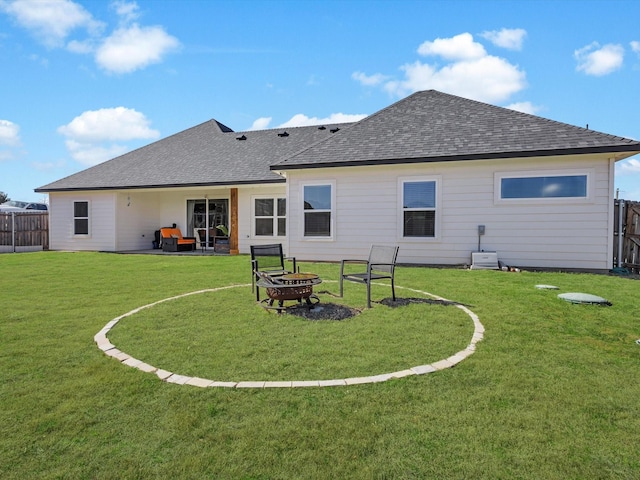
column 432, row 126
column 208, row 154
column 427, row 126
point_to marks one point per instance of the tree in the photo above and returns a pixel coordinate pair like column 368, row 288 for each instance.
column 4, row 197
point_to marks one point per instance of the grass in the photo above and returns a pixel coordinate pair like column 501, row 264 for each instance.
column 551, row 392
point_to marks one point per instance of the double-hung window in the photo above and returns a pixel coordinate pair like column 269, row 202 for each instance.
column 81, row 218
column 419, row 208
column 270, row 217
column 318, row 210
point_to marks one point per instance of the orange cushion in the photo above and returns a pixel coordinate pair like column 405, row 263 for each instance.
column 170, row 232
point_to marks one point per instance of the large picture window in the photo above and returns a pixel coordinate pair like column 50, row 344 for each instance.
column 318, row 204
column 270, row 217
column 419, row 203
column 81, row 218
column 557, row 186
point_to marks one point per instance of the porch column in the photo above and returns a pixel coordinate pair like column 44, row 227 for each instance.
column 233, row 239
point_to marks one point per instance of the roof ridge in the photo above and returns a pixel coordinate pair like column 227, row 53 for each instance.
column 318, row 125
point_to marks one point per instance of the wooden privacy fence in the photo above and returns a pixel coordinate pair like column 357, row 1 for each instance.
column 24, row 231
column 626, row 234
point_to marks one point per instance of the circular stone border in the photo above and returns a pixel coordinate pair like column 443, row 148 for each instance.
column 109, row 349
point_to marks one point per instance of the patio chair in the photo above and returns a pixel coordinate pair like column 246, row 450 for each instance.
column 380, row 265
column 173, row 241
column 268, row 259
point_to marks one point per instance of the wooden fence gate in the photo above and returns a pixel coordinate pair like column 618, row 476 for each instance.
column 626, row 233
column 24, row 231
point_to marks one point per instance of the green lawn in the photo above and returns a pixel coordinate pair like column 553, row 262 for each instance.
column 552, row 391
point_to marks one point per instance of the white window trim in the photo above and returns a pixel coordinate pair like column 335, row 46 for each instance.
column 73, row 219
column 438, row 209
column 497, row 187
column 332, row 224
column 275, row 215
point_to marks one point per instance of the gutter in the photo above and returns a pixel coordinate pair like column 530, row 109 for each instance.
column 170, row 185
column 630, row 149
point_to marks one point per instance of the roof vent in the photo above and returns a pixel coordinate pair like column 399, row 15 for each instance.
column 322, row 127
column 283, row 134
column 241, row 137
column 334, row 130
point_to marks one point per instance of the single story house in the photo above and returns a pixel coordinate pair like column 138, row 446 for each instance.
column 426, row 173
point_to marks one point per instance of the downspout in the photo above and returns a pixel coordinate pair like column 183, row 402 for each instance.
column 621, row 208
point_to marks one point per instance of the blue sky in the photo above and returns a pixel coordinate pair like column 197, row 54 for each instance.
column 85, row 81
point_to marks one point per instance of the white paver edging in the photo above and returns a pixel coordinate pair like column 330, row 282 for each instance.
column 109, row 349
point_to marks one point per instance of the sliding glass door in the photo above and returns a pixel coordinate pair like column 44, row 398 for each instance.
column 207, row 215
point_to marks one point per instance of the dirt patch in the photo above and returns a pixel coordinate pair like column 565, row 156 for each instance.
column 403, row 302
column 324, row 311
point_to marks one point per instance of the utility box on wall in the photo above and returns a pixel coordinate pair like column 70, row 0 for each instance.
column 484, row 261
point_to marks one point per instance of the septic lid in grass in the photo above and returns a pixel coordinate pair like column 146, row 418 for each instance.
column 547, row 287
column 583, row 298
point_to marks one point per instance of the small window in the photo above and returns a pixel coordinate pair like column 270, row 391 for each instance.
column 419, row 208
column 270, row 217
column 559, row 186
column 317, row 210
column 81, row 218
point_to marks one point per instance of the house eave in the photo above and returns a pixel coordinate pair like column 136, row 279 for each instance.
column 620, row 152
column 162, row 186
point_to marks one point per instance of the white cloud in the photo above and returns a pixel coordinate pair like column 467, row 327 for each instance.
column 88, row 133
column 460, row 47
column 510, row 38
column 628, row 178
column 51, row 20
column 629, row 166
column 82, row 47
column 9, row 133
column 488, row 79
column 635, row 46
column 127, row 11
column 595, row 60
column 92, row 154
column 47, row 166
column 524, row 107
column 301, row 120
column 134, row 47
column 128, row 48
column 470, row 72
column 261, row 123
column 369, row 80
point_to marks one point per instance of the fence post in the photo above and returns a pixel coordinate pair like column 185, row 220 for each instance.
column 13, row 231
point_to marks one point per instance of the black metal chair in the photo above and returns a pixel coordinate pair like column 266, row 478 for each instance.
column 380, row 265
column 268, row 259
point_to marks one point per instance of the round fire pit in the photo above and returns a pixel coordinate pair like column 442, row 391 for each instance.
column 291, row 287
